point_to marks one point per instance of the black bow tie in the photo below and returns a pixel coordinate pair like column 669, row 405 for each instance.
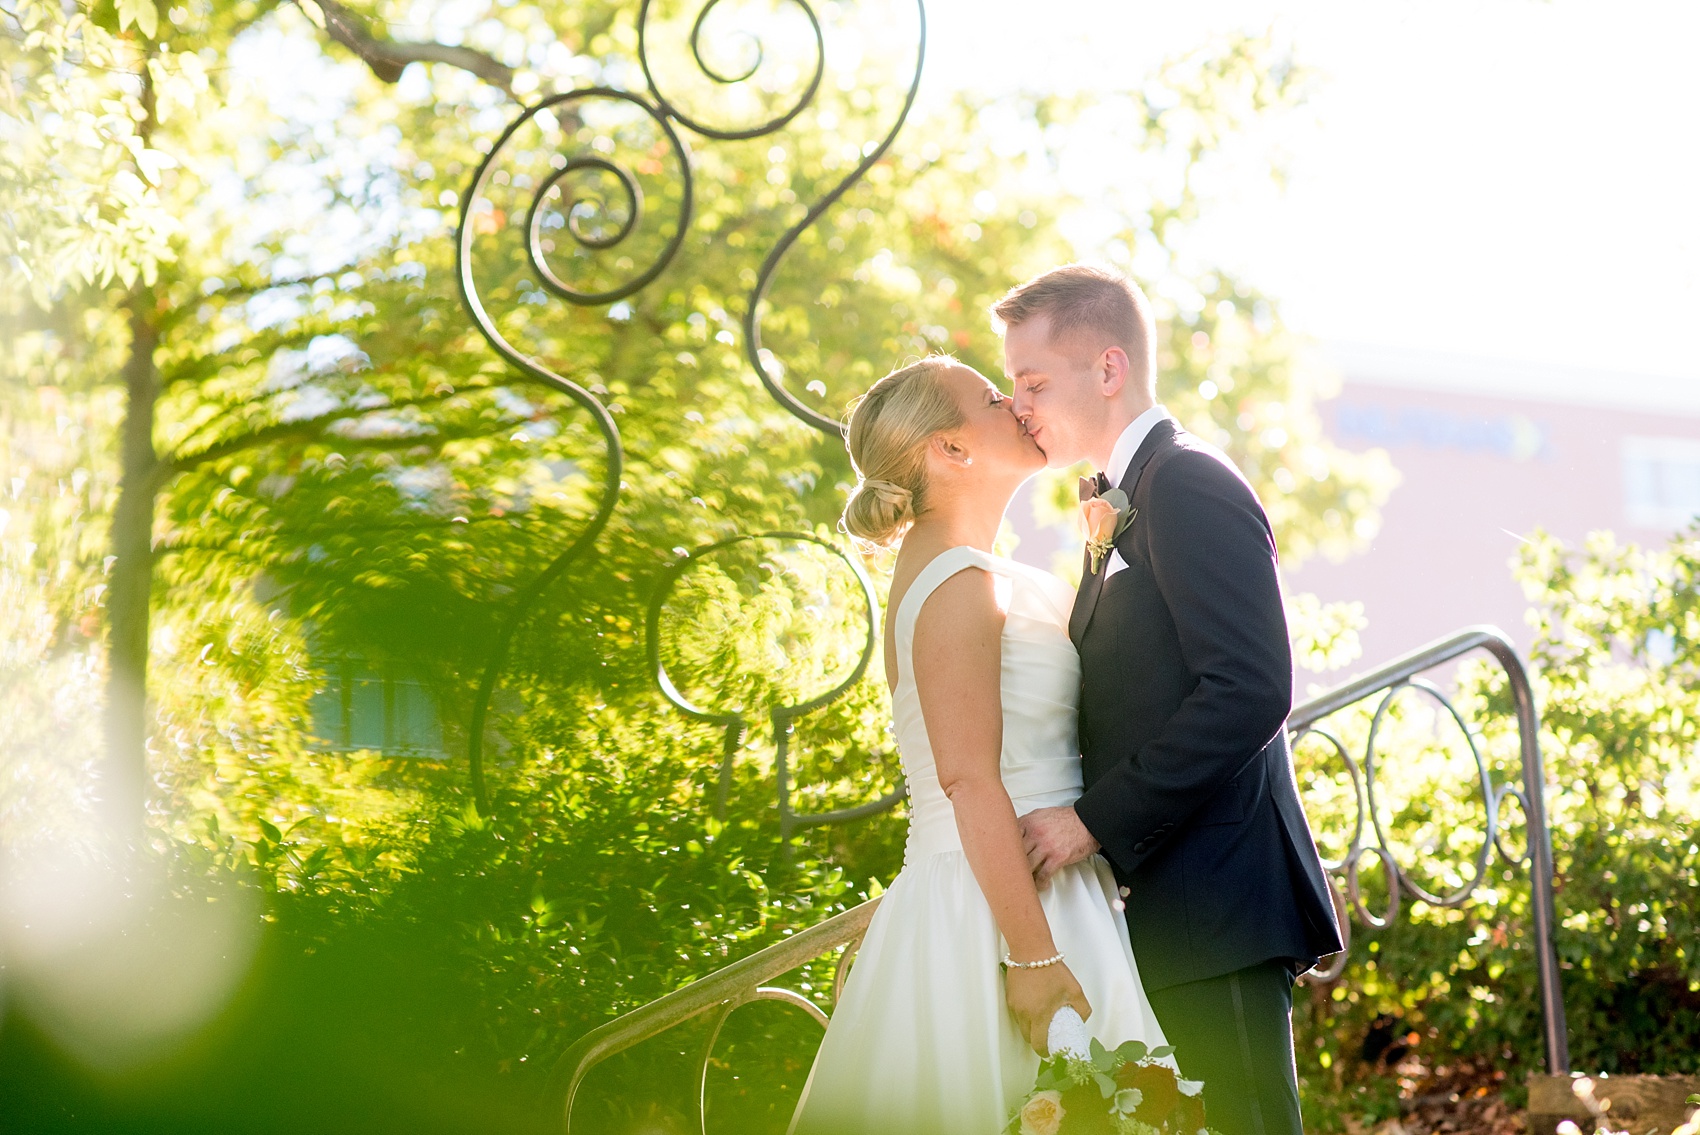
column 1094, row 486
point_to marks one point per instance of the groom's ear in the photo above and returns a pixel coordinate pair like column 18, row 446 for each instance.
column 1112, row 371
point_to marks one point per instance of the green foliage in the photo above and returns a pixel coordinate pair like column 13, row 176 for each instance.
column 1618, row 648
column 1325, row 636
column 52, row 502
column 78, row 176
column 347, row 471
column 1614, row 663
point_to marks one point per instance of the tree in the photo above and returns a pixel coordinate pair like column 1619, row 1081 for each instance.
column 105, row 181
column 332, row 465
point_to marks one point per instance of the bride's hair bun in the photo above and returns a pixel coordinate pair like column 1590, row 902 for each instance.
column 878, row 511
column 890, row 426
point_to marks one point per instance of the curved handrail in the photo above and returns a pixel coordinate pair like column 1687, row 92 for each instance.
column 725, row 989
column 1401, row 673
column 746, row 980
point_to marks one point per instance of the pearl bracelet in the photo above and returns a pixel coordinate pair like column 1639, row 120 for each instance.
column 1008, row 963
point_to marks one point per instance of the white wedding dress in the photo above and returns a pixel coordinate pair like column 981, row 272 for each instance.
column 921, row 1042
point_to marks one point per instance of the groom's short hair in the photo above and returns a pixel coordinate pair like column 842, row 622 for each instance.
column 1088, row 306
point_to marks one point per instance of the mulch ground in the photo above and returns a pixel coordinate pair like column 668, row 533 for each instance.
column 1461, row 1100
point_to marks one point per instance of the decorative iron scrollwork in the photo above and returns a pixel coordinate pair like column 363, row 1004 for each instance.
column 600, row 205
column 1400, row 880
column 772, row 124
column 564, row 174
column 1370, row 836
column 781, row 716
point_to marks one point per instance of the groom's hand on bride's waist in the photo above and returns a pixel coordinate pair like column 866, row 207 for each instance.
column 1054, row 838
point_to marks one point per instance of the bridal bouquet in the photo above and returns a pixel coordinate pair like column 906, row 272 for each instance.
column 1124, row 1091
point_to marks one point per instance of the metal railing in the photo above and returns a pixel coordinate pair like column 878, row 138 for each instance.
column 747, row 980
column 1390, row 681
column 720, row 993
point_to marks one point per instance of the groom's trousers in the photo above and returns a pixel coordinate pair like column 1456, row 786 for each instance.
column 1235, row 1032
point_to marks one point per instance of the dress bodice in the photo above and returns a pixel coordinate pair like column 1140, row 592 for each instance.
column 1039, row 685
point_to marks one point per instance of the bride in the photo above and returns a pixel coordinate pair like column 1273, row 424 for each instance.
column 947, row 1006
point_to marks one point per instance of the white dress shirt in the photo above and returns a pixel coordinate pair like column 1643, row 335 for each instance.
column 1121, row 457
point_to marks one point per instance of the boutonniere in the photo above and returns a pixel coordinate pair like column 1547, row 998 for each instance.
column 1105, row 517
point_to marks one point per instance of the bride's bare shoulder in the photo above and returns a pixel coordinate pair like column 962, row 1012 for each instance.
column 913, row 556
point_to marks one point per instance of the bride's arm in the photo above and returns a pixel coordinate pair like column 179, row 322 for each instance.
column 957, row 661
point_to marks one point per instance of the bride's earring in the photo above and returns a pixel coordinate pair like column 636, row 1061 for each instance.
column 968, row 461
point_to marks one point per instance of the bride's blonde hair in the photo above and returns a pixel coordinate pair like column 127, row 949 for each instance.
column 890, row 426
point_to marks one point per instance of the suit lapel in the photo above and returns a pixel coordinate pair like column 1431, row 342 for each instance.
column 1092, row 583
column 1086, row 598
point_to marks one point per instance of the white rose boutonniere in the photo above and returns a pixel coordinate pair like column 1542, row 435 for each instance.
column 1105, row 517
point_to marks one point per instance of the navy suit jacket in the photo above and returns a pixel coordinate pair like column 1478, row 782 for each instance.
column 1187, row 681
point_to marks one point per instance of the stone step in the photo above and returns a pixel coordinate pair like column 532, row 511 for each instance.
column 1639, row 1105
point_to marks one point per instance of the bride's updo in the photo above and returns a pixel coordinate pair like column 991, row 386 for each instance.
column 890, row 426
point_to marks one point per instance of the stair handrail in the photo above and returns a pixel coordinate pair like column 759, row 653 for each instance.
column 722, row 991
column 1403, row 673
column 746, row 980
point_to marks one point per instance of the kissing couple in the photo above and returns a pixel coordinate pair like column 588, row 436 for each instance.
column 1103, row 811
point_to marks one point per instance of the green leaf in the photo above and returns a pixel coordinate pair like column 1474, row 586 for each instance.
column 314, row 863
column 1102, row 1058
column 1132, row 1051
column 142, row 13
column 1106, row 1086
column 1162, row 1050
column 269, row 830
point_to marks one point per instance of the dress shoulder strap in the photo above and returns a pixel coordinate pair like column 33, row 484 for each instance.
column 940, row 568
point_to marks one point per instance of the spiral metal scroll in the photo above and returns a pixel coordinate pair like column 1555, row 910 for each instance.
column 1369, row 839
column 537, row 371
column 630, row 206
column 781, row 716
column 713, row 998
column 736, row 134
column 770, row 266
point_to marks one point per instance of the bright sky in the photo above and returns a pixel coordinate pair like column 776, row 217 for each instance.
column 1511, row 178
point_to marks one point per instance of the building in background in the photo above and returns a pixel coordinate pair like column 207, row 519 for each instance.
column 1488, row 452
column 378, row 707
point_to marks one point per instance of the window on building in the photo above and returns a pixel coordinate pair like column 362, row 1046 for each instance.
column 1661, row 481
column 360, row 707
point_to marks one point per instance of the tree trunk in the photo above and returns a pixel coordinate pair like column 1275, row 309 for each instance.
column 131, row 580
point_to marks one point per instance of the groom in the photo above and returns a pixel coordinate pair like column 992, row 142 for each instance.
column 1187, row 680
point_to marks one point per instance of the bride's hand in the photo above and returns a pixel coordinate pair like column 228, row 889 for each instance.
column 1035, row 995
